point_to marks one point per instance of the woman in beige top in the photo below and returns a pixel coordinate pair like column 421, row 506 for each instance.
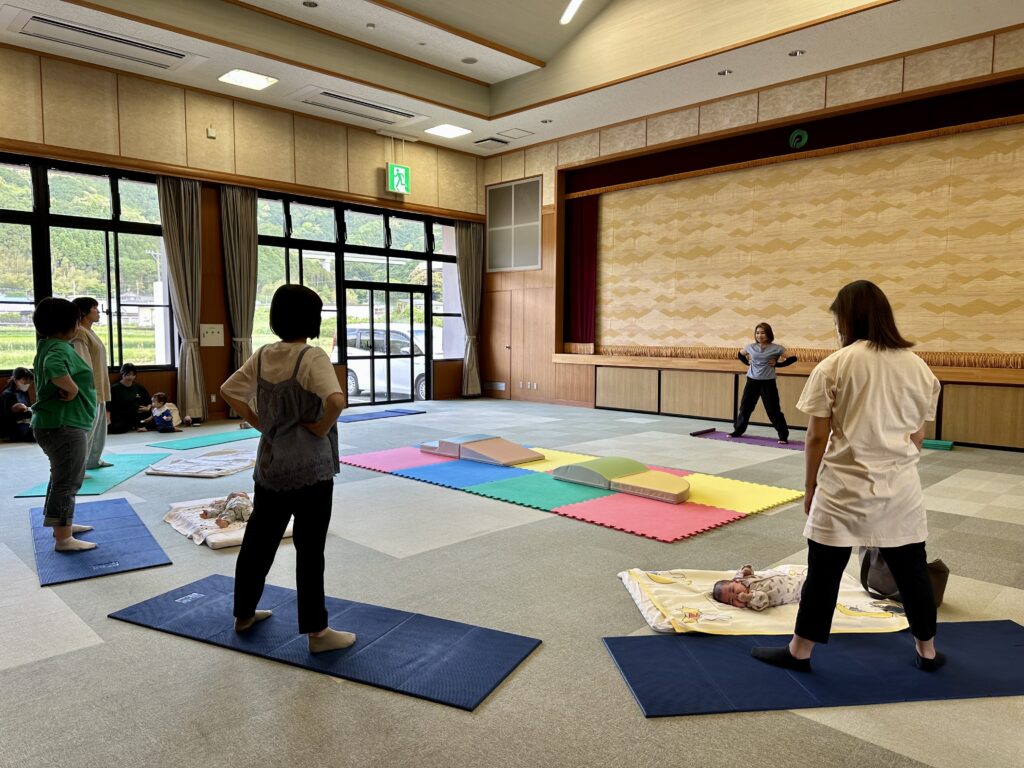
column 868, row 404
column 89, row 347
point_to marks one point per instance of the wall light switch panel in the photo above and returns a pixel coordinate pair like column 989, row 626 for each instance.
column 211, row 335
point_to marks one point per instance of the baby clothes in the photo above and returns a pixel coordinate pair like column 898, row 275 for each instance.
column 771, row 587
column 235, row 509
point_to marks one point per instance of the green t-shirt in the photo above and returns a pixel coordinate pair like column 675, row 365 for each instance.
column 56, row 358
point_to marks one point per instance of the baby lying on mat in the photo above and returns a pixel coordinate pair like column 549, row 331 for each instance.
column 758, row 591
column 236, row 508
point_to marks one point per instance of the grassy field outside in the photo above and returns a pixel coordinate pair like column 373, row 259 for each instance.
column 18, row 346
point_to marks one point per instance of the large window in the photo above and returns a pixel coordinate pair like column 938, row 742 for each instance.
column 385, row 278
column 68, row 230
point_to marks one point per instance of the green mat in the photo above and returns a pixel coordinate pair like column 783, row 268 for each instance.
column 538, row 490
column 184, row 443
column 103, row 479
column 938, row 445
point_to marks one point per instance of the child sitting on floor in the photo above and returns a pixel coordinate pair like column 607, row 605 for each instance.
column 165, row 416
column 236, row 508
column 758, row 591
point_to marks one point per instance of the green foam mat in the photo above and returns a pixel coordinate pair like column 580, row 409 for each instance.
column 538, row 490
column 103, row 479
column 938, row 445
column 184, row 443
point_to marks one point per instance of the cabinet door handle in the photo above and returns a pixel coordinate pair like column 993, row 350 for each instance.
column 508, row 346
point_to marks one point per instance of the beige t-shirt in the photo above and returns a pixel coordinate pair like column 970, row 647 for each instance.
column 316, row 374
column 89, row 347
column 869, row 491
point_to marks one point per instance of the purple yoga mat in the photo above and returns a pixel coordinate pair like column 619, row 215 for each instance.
column 771, row 442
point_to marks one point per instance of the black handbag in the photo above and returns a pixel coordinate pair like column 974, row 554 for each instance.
column 877, row 579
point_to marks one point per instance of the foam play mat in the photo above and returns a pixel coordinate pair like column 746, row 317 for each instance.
column 737, row 495
column 226, row 461
column 460, row 473
column 696, row 674
column 447, row 662
column 679, row 600
column 183, row 517
column 201, row 441
column 538, row 490
column 767, row 442
column 102, row 479
column 649, row 518
column 123, row 541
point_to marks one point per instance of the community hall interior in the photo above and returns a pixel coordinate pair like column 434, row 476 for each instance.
column 557, row 234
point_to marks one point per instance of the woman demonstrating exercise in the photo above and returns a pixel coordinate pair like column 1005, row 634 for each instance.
column 763, row 357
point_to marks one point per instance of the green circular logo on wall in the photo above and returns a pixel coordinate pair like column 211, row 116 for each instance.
column 798, row 138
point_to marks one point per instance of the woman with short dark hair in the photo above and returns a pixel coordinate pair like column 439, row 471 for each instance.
column 129, row 402
column 90, row 348
column 16, row 408
column 867, row 405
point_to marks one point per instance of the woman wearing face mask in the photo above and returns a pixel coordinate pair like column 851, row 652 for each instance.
column 16, row 407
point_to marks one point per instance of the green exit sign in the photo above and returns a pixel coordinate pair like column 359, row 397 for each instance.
column 399, row 179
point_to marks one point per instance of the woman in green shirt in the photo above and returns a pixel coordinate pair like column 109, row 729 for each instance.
column 62, row 417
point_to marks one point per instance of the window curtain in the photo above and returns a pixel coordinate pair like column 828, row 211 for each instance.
column 580, row 321
column 179, row 214
column 469, row 249
column 238, row 226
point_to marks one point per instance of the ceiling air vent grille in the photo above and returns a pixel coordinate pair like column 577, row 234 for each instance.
column 374, row 112
column 490, row 142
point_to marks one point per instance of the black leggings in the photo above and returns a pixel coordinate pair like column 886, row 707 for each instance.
column 768, row 391
column 825, row 564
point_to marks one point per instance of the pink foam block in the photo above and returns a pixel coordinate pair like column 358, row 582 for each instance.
column 393, row 459
column 646, row 517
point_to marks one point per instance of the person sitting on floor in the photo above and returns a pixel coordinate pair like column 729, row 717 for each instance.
column 165, row 417
column 757, row 591
column 236, row 508
column 129, row 402
column 16, row 407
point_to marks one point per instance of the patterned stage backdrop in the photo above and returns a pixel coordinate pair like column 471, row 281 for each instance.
column 937, row 223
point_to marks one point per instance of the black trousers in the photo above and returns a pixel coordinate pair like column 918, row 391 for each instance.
column 768, row 391
column 825, row 564
column 271, row 511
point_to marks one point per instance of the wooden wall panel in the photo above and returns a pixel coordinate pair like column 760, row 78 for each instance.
column 366, row 161
column 541, row 161
column 264, row 143
column 695, row 393
column 790, row 388
column 632, row 389
column 151, row 120
column 513, row 166
column 983, row 415
column 216, row 361
column 203, row 111
column 728, row 113
column 579, row 149
column 447, row 379
column 673, row 126
column 422, row 162
column 21, row 101
column 456, row 180
column 622, row 138
column 948, row 64
column 79, row 107
column 862, row 83
column 321, row 154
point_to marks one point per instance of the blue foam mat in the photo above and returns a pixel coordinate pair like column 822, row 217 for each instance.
column 461, row 473
column 705, row 674
column 346, row 418
column 447, row 662
column 124, row 544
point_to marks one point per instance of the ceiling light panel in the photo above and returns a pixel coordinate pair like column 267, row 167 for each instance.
column 447, row 131
column 401, row 34
column 245, row 79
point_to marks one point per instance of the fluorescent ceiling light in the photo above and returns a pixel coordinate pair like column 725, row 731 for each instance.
column 447, row 131
column 570, row 11
column 247, row 79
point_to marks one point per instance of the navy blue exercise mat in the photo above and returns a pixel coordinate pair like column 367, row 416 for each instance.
column 442, row 661
column 390, row 413
column 705, row 674
column 124, row 543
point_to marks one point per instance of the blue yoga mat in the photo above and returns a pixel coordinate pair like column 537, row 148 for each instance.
column 346, row 418
column 443, row 661
column 461, row 473
column 103, row 479
column 125, row 544
column 184, row 443
column 704, row 674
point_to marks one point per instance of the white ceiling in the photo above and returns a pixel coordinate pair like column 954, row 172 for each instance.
column 886, row 30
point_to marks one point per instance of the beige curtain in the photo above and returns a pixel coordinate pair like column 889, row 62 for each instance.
column 179, row 214
column 238, row 226
column 469, row 248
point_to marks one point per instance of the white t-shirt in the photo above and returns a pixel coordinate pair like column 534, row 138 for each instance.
column 316, row 374
column 869, row 491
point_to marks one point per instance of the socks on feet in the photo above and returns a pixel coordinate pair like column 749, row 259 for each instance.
column 76, row 528
column 780, row 657
column 71, row 544
column 330, row 640
column 929, row 665
column 243, row 624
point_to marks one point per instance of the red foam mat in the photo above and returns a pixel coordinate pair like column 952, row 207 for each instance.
column 408, row 457
column 646, row 517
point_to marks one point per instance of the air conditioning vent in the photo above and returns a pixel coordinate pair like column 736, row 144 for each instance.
column 73, row 35
column 491, row 141
column 376, row 113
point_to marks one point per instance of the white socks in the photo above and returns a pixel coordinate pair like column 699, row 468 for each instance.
column 330, row 640
column 76, row 528
column 243, row 624
column 71, row 544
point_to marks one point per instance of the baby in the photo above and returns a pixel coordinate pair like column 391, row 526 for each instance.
column 236, row 508
column 165, row 416
column 758, row 591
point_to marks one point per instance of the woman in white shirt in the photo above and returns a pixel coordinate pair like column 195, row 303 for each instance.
column 868, row 404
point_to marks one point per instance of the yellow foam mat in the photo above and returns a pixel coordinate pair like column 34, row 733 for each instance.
column 553, row 460
column 737, row 495
column 653, row 484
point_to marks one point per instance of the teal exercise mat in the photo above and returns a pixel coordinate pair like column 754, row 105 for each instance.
column 102, row 479
column 444, row 661
column 201, row 441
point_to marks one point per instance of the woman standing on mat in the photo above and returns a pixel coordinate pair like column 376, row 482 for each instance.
column 298, row 401
column 64, row 412
column 763, row 358
column 868, row 404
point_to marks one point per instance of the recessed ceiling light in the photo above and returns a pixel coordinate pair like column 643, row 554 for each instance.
column 724, row 72
column 370, row 25
column 447, row 131
column 570, row 11
column 310, row 3
column 421, row 43
column 247, row 79
column 546, row 121
column 468, row 60
column 797, row 52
